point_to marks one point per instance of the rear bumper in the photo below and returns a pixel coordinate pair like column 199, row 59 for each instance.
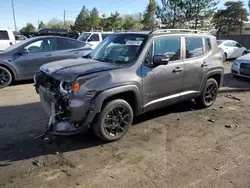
column 68, row 115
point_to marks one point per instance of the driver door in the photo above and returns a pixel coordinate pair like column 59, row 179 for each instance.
column 162, row 84
column 36, row 54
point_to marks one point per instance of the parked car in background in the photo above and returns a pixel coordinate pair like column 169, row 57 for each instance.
column 22, row 60
column 9, row 37
column 94, row 38
column 231, row 49
column 241, row 66
column 128, row 74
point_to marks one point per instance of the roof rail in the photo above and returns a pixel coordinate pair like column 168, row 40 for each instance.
column 178, row 31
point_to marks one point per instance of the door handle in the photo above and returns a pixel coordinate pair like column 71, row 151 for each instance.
column 204, row 64
column 48, row 55
column 76, row 53
column 178, row 69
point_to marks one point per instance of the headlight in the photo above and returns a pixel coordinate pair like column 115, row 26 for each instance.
column 65, row 87
column 236, row 63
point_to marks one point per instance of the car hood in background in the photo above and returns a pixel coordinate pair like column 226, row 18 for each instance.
column 70, row 69
column 245, row 58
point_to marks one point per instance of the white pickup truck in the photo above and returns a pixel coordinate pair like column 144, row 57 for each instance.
column 8, row 38
column 93, row 38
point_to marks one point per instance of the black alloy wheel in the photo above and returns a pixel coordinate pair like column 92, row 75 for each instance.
column 5, row 77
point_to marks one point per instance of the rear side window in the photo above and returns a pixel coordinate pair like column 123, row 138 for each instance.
column 168, row 46
column 207, row 45
column 105, row 35
column 4, row 35
column 95, row 37
column 194, row 47
column 66, row 44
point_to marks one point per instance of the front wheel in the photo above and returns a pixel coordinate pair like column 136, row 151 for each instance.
column 208, row 94
column 114, row 120
column 224, row 57
column 244, row 53
column 5, row 77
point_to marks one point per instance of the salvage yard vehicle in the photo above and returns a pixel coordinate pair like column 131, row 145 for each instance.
column 241, row 66
column 129, row 74
column 231, row 49
column 9, row 38
column 94, row 38
column 22, row 60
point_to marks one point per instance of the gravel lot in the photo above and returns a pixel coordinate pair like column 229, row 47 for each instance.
column 178, row 146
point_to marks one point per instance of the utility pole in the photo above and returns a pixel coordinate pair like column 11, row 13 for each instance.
column 38, row 23
column 14, row 17
column 64, row 16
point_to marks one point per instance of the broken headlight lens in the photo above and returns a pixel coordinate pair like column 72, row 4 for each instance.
column 65, row 87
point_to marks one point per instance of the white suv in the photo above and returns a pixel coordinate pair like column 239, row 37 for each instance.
column 9, row 37
column 93, row 38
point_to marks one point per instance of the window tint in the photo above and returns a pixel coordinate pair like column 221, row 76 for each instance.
column 207, row 45
column 105, row 35
column 44, row 45
column 95, row 37
column 65, row 44
column 194, row 47
column 4, row 35
column 168, row 46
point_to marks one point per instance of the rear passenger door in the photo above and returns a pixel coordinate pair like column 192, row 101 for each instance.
column 197, row 63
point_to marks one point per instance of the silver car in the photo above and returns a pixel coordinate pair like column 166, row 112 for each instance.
column 22, row 60
column 241, row 66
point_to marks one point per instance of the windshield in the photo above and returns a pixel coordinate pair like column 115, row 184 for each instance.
column 219, row 42
column 121, row 48
column 84, row 37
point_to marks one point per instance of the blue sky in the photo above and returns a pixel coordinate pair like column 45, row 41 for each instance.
column 34, row 10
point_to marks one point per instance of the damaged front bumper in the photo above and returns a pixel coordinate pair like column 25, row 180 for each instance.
column 68, row 114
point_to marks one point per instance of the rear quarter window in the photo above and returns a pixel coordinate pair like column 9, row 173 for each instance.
column 4, row 35
column 208, row 47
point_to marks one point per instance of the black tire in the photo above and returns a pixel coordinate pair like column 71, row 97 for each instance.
column 224, row 57
column 5, row 77
column 111, row 115
column 203, row 100
column 244, row 53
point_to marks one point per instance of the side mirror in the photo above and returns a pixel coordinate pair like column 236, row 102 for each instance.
column 23, row 51
column 160, row 59
column 90, row 39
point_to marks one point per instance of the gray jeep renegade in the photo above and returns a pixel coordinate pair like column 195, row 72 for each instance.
column 126, row 75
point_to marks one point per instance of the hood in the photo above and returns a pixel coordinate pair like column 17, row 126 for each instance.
column 245, row 58
column 70, row 69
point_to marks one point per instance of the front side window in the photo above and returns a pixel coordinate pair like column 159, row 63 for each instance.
column 168, row 46
column 120, row 48
column 148, row 58
column 207, row 45
column 4, row 35
column 194, row 47
column 44, row 45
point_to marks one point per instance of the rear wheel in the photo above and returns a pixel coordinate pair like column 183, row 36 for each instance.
column 208, row 95
column 114, row 120
column 5, row 77
column 224, row 57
